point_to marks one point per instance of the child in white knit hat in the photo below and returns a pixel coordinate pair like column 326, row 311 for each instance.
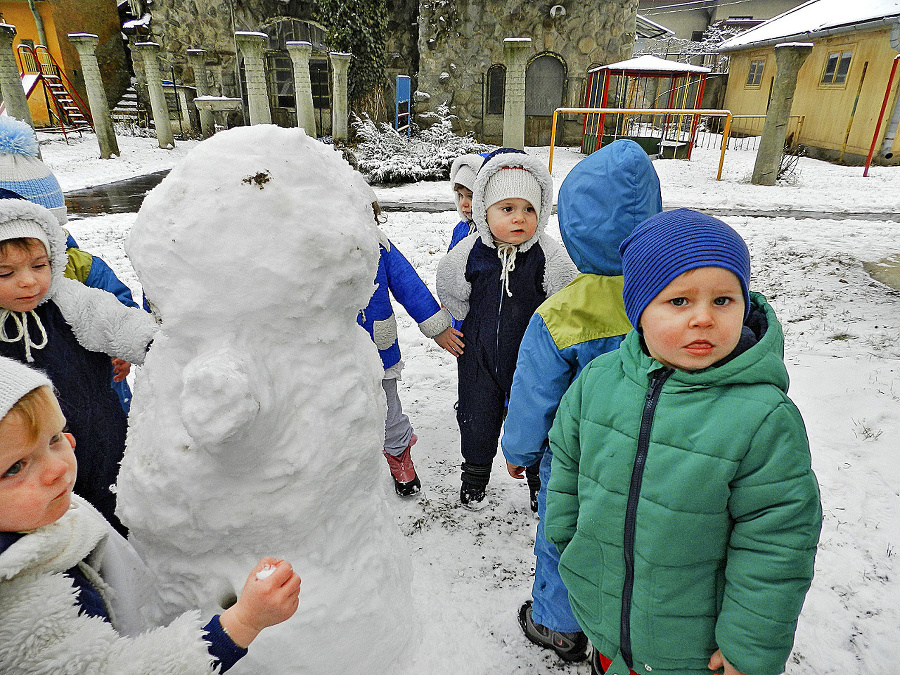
column 24, row 176
column 493, row 281
column 463, row 172
column 71, row 588
column 70, row 331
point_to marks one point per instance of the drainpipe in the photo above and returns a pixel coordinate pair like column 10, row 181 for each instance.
column 891, row 131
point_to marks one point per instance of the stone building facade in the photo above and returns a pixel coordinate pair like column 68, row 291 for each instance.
column 452, row 50
column 460, row 46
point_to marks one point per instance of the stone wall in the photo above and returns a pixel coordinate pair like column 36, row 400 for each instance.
column 445, row 46
column 459, row 40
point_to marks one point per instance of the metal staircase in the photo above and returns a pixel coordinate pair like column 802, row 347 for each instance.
column 67, row 110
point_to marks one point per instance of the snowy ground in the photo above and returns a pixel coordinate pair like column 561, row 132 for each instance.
column 473, row 570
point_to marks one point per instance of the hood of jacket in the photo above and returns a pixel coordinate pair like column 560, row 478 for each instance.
column 504, row 161
column 763, row 363
column 603, row 198
column 22, row 210
column 473, row 163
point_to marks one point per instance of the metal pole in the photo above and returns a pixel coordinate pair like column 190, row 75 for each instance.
column 887, row 93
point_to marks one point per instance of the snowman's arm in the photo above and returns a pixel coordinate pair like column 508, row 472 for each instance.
column 452, row 287
column 102, row 324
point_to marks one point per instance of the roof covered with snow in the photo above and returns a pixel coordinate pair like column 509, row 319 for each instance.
column 648, row 63
column 816, row 18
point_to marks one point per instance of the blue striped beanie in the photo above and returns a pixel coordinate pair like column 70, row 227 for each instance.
column 22, row 173
column 671, row 243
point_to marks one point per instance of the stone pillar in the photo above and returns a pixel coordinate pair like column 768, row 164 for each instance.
column 10, row 81
column 252, row 46
column 158, row 105
column 788, row 59
column 197, row 59
column 515, row 55
column 86, row 45
column 340, row 64
column 306, row 114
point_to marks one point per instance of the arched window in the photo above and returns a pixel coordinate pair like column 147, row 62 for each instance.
column 496, row 89
column 545, row 84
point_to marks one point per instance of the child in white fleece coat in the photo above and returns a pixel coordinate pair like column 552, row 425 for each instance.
column 73, row 594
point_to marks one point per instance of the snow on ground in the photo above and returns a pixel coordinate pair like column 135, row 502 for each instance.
column 473, row 570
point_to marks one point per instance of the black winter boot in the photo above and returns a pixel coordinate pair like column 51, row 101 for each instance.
column 475, row 478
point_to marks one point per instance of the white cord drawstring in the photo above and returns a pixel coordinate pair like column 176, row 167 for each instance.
column 507, row 253
column 21, row 321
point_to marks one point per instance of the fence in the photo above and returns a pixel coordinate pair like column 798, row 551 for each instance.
column 745, row 132
column 668, row 130
column 673, row 132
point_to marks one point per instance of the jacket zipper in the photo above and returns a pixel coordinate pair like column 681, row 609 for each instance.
column 497, row 333
column 634, row 492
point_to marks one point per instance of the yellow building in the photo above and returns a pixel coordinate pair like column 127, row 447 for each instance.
column 841, row 87
column 58, row 18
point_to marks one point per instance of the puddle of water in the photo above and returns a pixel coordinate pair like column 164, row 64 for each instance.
column 886, row 271
column 124, row 196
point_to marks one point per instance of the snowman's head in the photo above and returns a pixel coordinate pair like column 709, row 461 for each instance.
column 257, row 223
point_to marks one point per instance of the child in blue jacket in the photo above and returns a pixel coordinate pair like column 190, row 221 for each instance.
column 601, row 201
column 397, row 277
column 494, row 280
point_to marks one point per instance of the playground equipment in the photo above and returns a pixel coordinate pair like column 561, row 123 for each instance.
column 40, row 72
column 694, row 114
column 637, row 88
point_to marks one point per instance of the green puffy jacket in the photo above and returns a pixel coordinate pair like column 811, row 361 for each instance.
column 685, row 508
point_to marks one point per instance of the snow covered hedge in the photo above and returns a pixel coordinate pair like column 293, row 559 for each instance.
column 386, row 156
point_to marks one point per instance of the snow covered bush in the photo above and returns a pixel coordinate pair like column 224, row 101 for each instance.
column 386, row 156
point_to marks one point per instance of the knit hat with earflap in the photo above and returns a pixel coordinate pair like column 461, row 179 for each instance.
column 463, row 172
column 16, row 380
column 672, row 243
column 21, row 218
column 22, row 173
column 505, row 174
column 511, row 183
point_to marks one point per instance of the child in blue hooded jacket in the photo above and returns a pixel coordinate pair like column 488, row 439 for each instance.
column 600, row 202
column 397, row 277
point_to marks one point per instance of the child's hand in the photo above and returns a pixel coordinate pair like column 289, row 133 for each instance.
column 270, row 596
column 120, row 369
column 515, row 471
column 450, row 341
column 717, row 661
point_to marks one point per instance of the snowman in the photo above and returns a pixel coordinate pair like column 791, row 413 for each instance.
column 258, row 418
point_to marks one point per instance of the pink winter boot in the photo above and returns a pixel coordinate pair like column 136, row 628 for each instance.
column 406, row 482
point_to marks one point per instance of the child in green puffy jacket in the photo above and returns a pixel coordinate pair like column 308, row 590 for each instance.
column 681, row 494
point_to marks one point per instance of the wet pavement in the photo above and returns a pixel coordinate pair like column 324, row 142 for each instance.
column 124, row 196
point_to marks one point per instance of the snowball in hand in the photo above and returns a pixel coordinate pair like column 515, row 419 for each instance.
column 265, row 572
